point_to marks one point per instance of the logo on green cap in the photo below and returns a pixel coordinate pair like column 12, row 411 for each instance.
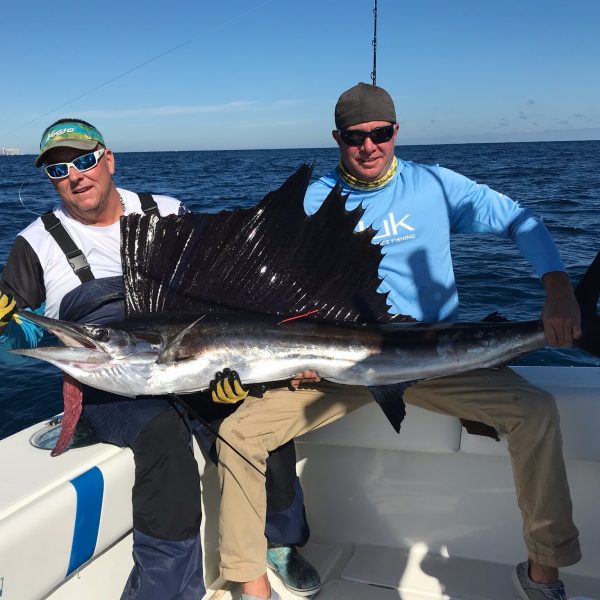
column 70, row 131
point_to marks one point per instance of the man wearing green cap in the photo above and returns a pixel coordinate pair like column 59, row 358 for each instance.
column 67, row 265
column 414, row 208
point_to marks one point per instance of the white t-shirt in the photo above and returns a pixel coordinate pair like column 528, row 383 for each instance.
column 100, row 245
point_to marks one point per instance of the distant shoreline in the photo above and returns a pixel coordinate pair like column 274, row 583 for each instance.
column 402, row 145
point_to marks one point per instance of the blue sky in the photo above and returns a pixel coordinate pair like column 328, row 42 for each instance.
column 197, row 75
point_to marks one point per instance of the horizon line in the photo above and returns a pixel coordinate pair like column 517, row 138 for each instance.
column 335, row 147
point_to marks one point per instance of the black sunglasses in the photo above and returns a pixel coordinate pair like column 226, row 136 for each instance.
column 357, row 137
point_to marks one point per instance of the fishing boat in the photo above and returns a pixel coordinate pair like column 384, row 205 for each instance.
column 429, row 514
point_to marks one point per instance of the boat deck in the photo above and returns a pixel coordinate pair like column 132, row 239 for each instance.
column 378, row 573
column 361, row 573
column 426, row 515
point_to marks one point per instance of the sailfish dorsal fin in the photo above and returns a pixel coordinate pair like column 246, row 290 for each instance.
column 270, row 258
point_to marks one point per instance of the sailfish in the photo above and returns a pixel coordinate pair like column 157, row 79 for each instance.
column 204, row 292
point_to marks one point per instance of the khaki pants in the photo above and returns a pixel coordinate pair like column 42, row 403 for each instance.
column 497, row 397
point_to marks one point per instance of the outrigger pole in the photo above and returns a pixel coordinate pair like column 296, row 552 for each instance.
column 374, row 71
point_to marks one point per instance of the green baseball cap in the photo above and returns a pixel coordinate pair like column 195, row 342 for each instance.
column 69, row 134
column 363, row 103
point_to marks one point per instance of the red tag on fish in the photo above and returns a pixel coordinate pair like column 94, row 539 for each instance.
column 306, row 314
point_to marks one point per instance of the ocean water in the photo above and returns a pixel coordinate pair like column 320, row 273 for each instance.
column 558, row 180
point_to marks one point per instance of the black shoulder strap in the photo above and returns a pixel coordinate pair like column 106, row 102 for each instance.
column 148, row 203
column 74, row 255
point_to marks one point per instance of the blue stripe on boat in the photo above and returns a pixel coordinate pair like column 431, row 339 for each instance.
column 89, row 487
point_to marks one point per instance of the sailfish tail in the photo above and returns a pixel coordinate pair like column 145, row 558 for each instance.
column 587, row 294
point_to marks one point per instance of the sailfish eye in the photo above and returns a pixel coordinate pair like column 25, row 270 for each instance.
column 98, row 334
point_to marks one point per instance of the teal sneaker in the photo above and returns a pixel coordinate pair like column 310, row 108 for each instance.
column 530, row 590
column 296, row 573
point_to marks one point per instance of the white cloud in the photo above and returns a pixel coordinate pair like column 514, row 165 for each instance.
column 282, row 123
column 173, row 110
column 287, row 103
column 176, row 110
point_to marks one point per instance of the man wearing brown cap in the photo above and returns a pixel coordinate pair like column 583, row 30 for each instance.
column 414, row 209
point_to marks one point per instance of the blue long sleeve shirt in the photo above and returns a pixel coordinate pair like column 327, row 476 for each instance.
column 414, row 216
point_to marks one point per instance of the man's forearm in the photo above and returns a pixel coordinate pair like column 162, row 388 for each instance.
column 561, row 315
column 557, row 284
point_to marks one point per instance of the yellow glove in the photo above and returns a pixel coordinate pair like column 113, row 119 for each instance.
column 7, row 310
column 226, row 388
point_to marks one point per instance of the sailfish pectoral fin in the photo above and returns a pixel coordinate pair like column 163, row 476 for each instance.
column 170, row 353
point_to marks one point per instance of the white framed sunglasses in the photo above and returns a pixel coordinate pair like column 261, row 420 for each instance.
column 82, row 163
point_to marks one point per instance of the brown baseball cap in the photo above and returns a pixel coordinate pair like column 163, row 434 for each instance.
column 363, row 103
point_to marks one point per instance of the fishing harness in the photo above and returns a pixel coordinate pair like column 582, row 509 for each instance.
column 75, row 257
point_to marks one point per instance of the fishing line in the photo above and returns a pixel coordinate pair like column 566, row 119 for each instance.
column 186, row 406
column 212, row 430
column 23, row 203
column 98, row 87
column 374, row 42
column 143, row 64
